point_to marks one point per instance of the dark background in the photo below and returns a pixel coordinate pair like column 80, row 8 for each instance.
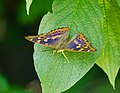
column 16, row 53
column 16, row 59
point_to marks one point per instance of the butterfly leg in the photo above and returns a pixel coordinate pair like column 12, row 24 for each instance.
column 53, row 52
column 62, row 53
column 65, row 56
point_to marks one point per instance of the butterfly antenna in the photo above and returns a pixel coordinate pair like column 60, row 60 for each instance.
column 65, row 56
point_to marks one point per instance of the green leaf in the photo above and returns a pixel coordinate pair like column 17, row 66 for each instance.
column 28, row 4
column 109, row 59
column 81, row 16
column 118, row 1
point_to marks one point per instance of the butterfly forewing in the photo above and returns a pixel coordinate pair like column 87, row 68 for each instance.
column 79, row 44
column 52, row 38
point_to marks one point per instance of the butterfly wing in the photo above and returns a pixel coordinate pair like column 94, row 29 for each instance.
column 79, row 44
column 51, row 38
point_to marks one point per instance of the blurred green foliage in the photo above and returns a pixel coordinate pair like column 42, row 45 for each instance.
column 16, row 62
column 38, row 7
column 6, row 88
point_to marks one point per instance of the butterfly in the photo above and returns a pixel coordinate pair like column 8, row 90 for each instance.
column 58, row 39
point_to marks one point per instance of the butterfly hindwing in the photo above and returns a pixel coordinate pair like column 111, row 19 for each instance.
column 79, row 44
column 51, row 38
